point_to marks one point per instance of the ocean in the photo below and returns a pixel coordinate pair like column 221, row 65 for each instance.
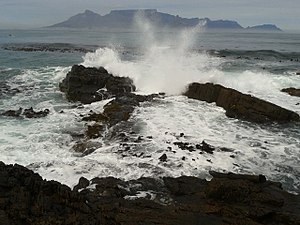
column 33, row 62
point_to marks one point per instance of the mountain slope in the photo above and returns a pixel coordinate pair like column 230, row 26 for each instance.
column 265, row 27
column 125, row 19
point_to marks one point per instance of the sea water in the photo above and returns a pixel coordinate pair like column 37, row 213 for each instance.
column 260, row 64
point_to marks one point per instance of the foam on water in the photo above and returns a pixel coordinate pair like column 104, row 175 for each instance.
column 44, row 144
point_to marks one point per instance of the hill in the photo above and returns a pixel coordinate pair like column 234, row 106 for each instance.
column 264, row 27
column 124, row 20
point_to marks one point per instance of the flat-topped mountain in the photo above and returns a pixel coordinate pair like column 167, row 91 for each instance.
column 124, row 20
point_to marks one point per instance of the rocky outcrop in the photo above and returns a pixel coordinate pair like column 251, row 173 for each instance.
column 116, row 111
column 25, row 198
column 89, row 85
column 28, row 113
column 121, row 107
column 292, row 91
column 239, row 105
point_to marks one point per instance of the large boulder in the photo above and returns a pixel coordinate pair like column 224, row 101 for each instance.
column 239, row 105
column 89, row 85
column 25, row 198
column 292, row 91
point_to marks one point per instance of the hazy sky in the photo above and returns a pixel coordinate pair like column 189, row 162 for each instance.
column 36, row 13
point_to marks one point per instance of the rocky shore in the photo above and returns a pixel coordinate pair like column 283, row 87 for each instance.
column 239, row 105
column 227, row 199
column 25, row 198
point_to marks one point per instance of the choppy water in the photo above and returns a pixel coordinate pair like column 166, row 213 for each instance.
column 260, row 64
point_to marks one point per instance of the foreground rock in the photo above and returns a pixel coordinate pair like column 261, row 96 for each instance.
column 25, row 198
column 89, row 85
column 292, row 91
column 28, row 113
column 239, row 105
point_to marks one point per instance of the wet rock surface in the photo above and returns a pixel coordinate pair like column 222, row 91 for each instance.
column 28, row 113
column 121, row 107
column 115, row 112
column 292, row 91
column 227, row 199
column 239, row 105
column 89, row 85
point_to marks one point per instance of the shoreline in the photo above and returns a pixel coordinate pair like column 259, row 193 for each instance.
column 227, row 199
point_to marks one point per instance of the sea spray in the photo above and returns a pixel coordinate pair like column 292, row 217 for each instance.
column 167, row 64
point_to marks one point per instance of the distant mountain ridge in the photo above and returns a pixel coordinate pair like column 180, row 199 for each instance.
column 265, row 27
column 124, row 19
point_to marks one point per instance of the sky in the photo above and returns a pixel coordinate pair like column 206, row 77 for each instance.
column 38, row 13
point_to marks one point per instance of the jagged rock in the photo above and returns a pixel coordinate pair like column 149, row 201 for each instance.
column 121, row 107
column 163, row 158
column 13, row 113
column 204, row 147
column 97, row 117
column 95, row 130
column 28, row 113
column 82, row 183
column 207, row 148
column 25, row 198
column 239, row 105
column 88, row 85
column 292, row 91
column 86, row 147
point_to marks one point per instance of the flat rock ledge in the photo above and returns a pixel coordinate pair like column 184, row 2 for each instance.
column 25, row 198
column 239, row 105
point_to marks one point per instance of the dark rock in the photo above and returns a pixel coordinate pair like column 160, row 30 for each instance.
column 188, row 146
column 86, row 147
column 227, row 199
column 121, row 107
column 298, row 73
column 292, row 91
column 239, row 105
column 28, row 113
column 97, row 117
column 83, row 183
column 28, row 199
column 207, row 148
column 88, row 85
column 13, row 113
column 95, row 130
column 163, row 158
